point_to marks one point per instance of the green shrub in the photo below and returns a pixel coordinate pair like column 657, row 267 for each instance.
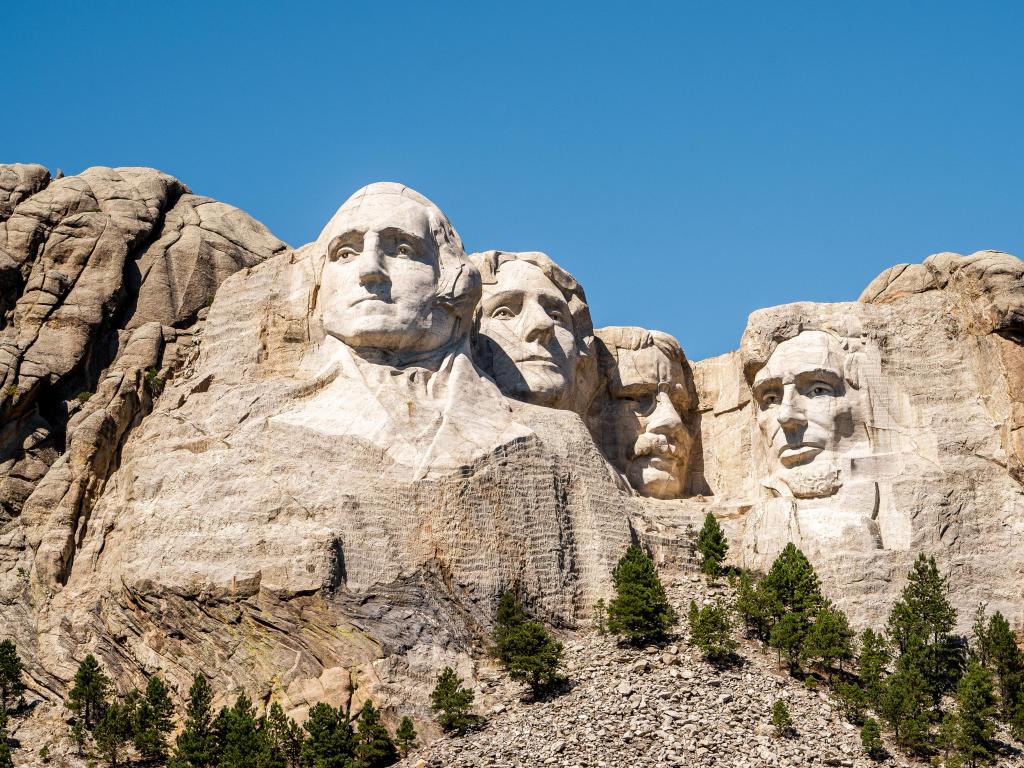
column 640, row 610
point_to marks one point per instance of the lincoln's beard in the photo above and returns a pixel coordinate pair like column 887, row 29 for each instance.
column 815, row 480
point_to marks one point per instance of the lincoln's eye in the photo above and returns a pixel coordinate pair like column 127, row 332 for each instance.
column 404, row 249
column 502, row 313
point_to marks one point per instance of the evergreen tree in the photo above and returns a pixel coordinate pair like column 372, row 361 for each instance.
column 970, row 730
column 153, row 721
column 903, row 705
column 872, row 661
column 525, row 648
column 245, row 743
column 787, row 637
column 640, row 610
column 88, row 697
column 712, row 546
column 11, row 684
column 920, row 627
column 1008, row 662
column 756, row 607
column 781, row 720
column 114, row 730
column 711, row 631
column 285, row 737
column 853, row 701
column 981, row 649
column 405, row 737
column 6, row 761
column 374, row 746
column 829, row 638
column 197, row 745
column 871, row 739
column 453, row 702
column 330, row 742
column 792, row 582
column 601, row 616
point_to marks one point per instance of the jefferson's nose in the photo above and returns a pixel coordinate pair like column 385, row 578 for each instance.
column 791, row 414
column 537, row 324
column 370, row 261
column 665, row 418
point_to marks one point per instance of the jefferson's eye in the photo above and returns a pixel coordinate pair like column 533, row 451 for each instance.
column 769, row 399
column 502, row 313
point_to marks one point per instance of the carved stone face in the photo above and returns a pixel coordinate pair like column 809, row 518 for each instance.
column 804, row 412
column 528, row 329
column 647, row 395
column 380, row 276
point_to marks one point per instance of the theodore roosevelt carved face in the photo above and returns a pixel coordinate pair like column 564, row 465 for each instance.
column 643, row 428
column 532, row 328
column 395, row 277
column 804, row 411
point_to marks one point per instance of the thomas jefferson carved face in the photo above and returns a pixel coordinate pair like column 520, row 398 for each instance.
column 527, row 327
column 645, row 434
column 804, row 411
column 379, row 287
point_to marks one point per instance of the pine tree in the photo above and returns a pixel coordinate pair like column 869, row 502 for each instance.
column 1007, row 660
column 712, row 546
column 787, row 637
column 285, row 736
column 981, row 648
column 114, row 730
column 330, row 742
column 405, row 737
column 88, row 698
column 711, row 631
column 781, row 720
column 453, row 702
column 972, row 727
column 830, row 638
column 872, row 661
column 871, row 739
column 197, row 745
column 11, row 683
column 245, row 743
column 374, row 746
column 920, row 627
column 153, row 721
column 903, row 705
column 792, row 582
column 853, row 701
column 755, row 607
column 6, row 761
column 525, row 648
column 640, row 610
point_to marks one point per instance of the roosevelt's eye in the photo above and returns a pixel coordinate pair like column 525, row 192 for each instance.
column 820, row 388
column 502, row 313
column 557, row 315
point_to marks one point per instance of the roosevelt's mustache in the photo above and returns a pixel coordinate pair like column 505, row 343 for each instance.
column 658, row 446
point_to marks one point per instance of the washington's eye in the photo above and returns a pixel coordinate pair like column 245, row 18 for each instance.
column 342, row 253
column 405, row 249
column 502, row 313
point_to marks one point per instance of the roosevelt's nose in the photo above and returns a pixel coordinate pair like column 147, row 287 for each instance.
column 537, row 323
column 791, row 414
column 664, row 420
column 370, row 261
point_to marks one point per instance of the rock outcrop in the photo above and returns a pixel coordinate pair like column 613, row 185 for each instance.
column 299, row 469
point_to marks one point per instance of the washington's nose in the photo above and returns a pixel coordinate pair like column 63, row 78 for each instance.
column 537, row 324
column 791, row 415
column 371, row 261
column 665, row 418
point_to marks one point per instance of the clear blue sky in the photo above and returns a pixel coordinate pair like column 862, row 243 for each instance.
column 688, row 162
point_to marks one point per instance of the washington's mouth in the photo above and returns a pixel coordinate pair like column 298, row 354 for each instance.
column 791, row 455
column 367, row 297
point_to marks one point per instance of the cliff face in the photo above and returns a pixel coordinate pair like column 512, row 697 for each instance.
column 295, row 468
